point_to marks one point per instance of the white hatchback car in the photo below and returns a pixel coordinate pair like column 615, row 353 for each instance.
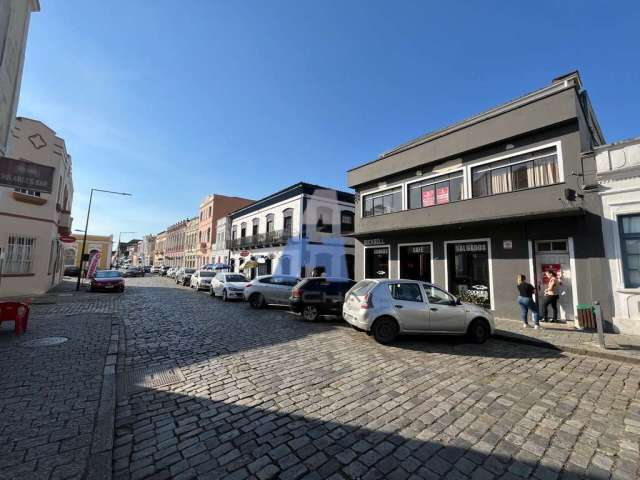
column 386, row 308
column 228, row 285
column 201, row 279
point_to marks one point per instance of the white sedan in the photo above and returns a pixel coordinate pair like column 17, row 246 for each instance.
column 201, row 279
column 228, row 285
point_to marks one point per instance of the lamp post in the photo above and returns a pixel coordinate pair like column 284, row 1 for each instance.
column 118, row 249
column 86, row 227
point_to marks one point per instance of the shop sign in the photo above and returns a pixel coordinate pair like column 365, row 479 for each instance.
column 507, row 244
column 261, row 259
column 417, row 250
column 442, row 195
column 380, row 251
column 27, row 175
column 373, row 241
column 67, row 239
column 245, row 253
column 428, row 198
column 470, row 247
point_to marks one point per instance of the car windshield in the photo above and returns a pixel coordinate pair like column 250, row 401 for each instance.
column 205, row 273
column 235, row 278
column 108, row 274
column 189, row 270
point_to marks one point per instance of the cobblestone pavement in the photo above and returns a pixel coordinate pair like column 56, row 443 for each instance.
column 49, row 395
column 266, row 395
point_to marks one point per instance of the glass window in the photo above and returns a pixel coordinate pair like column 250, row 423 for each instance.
column 387, row 201
column 437, row 296
column 468, row 271
column 533, row 169
column 346, row 221
column 630, row 243
column 436, row 191
column 408, row 292
column 270, row 227
column 19, row 255
column 324, row 223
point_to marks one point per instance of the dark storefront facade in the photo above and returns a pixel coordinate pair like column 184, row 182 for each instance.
column 474, row 205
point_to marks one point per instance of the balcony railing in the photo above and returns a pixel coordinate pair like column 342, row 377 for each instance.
column 278, row 237
column 17, row 267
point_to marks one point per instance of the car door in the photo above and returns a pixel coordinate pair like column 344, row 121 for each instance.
column 284, row 287
column 216, row 283
column 445, row 315
column 266, row 288
column 410, row 307
column 277, row 290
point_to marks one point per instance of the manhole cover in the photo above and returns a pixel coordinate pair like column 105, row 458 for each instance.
column 45, row 342
column 149, row 378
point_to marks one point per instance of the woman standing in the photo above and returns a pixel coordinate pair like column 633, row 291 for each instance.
column 551, row 296
column 526, row 302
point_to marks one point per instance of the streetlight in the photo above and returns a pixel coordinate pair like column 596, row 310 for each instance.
column 118, row 249
column 86, row 227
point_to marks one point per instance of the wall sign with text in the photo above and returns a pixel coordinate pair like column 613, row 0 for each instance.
column 28, row 175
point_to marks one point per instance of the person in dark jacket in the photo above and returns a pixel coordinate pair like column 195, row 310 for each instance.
column 526, row 302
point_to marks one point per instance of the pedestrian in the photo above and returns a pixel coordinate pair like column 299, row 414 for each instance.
column 526, row 302
column 550, row 296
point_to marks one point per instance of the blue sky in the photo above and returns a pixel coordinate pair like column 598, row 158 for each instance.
column 174, row 100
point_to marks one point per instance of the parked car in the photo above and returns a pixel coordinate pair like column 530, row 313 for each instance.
column 228, row 285
column 387, row 308
column 317, row 296
column 269, row 290
column 71, row 271
column 170, row 271
column 156, row 270
column 107, row 280
column 164, row 271
column 183, row 277
column 147, row 269
column 133, row 272
column 201, row 279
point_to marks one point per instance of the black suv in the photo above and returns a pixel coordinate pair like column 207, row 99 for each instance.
column 319, row 296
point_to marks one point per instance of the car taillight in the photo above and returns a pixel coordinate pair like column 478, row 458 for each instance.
column 296, row 293
column 248, row 285
column 367, row 302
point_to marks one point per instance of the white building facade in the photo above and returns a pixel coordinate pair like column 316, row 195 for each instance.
column 31, row 222
column 220, row 250
column 618, row 167
column 14, row 27
column 294, row 232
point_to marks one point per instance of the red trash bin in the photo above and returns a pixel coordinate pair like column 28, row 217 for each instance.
column 17, row 312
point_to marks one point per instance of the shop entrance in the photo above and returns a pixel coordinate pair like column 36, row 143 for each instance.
column 415, row 262
column 554, row 255
column 376, row 260
column 468, row 271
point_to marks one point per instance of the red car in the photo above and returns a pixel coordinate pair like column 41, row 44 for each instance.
column 107, row 280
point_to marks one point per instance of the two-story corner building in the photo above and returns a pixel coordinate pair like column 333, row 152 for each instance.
column 159, row 250
column 220, row 251
column 499, row 194
column 32, row 221
column 174, row 250
column 191, row 243
column 618, row 167
column 212, row 208
column 14, row 27
column 293, row 231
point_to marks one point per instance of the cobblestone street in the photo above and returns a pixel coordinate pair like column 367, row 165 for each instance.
column 266, row 395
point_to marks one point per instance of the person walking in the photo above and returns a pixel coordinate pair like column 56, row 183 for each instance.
column 526, row 302
column 550, row 296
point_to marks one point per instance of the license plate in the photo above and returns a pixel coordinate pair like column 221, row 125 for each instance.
column 108, row 286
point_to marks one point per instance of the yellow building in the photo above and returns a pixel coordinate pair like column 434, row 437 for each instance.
column 95, row 243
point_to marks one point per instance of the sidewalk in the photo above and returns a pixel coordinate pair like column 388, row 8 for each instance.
column 564, row 337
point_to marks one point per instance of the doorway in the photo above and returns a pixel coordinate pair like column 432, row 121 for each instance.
column 415, row 262
column 376, row 261
column 554, row 255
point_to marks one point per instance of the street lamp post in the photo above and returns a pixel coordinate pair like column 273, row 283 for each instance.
column 86, row 227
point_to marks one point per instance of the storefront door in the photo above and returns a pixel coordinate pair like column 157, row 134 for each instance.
column 376, row 261
column 468, row 271
column 415, row 262
column 554, row 255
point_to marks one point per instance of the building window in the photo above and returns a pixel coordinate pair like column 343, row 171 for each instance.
column 630, row 242
column 234, row 233
column 255, row 226
column 208, row 235
column 324, row 224
column 436, row 191
column 379, row 203
column 468, row 271
column 270, row 223
column 285, row 265
column 33, row 193
column 210, row 212
column 19, row 254
column 243, row 230
column 534, row 169
column 346, row 221
column 287, row 221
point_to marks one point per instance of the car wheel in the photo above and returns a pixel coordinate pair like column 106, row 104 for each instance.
column 224, row 296
column 256, row 300
column 121, row 289
column 211, row 292
column 385, row 330
column 184, row 283
column 310, row 313
column 478, row 331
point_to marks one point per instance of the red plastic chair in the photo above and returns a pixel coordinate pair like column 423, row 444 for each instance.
column 17, row 312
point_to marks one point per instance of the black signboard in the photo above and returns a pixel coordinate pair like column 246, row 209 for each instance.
column 471, row 247
column 28, row 175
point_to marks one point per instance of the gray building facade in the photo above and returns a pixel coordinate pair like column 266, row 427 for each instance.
column 471, row 206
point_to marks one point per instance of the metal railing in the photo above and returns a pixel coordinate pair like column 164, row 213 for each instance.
column 16, row 266
column 277, row 237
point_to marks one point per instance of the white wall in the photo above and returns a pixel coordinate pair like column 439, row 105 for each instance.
column 277, row 209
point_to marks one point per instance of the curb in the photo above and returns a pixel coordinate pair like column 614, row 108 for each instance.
column 100, row 459
column 566, row 348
